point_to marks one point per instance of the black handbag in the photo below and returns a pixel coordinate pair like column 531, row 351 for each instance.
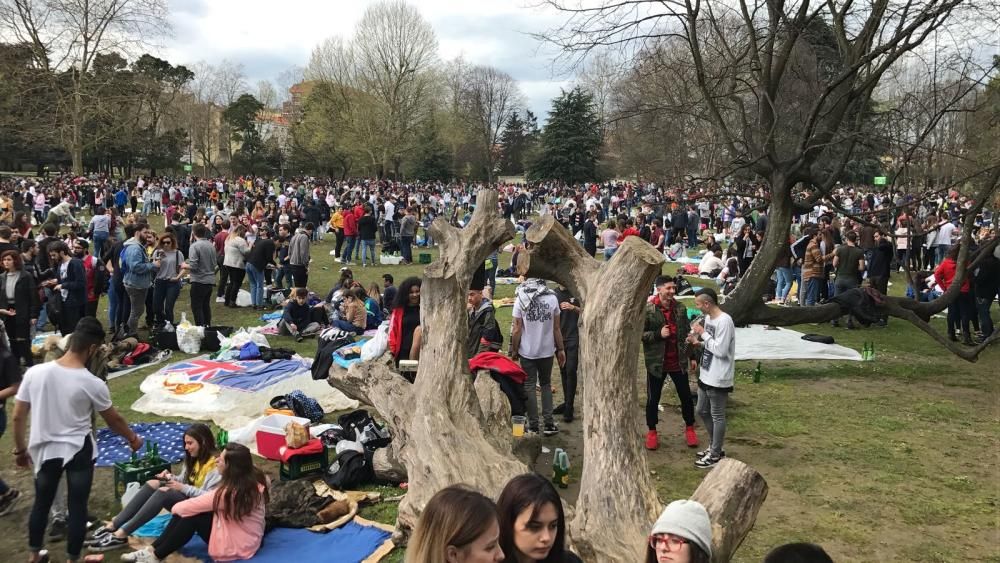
column 54, row 306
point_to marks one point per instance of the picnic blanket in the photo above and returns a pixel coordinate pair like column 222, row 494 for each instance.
column 231, row 393
column 756, row 342
column 112, row 448
column 353, row 542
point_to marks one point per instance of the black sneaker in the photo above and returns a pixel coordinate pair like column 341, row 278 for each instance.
column 98, row 535
column 708, row 462
column 57, row 529
column 8, row 500
column 533, row 428
column 559, row 409
column 550, row 429
column 568, row 415
column 108, row 542
column 707, row 451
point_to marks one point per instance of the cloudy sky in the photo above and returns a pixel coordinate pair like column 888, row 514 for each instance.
column 268, row 37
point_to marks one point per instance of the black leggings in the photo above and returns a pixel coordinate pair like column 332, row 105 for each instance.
column 236, row 276
column 79, row 478
column 514, row 391
column 179, row 531
column 654, row 388
column 568, row 374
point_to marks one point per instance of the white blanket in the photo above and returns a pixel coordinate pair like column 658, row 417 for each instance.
column 756, row 343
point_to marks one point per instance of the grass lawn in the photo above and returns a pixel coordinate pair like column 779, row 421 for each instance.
column 889, row 460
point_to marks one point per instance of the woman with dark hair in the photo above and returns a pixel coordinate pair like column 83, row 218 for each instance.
column 230, row 518
column 19, row 305
column 532, row 523
column 458, row 525
column 198, row 476
column 167, row 284
column 682, row 534
column 404, row 324
column 21, row 225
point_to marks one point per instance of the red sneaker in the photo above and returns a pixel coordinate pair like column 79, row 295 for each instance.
column 692, row 438
column 652, row 441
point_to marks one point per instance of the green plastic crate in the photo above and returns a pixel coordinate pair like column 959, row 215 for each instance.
column 425, row 258
column 302, row 465
column 144, row 470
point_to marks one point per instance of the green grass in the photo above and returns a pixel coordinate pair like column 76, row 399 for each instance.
column 889, row 460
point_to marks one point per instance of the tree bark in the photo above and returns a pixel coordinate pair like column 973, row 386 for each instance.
column 732, row 493
column 612, row 515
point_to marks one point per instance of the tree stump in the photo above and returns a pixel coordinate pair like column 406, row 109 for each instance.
column 732, row 493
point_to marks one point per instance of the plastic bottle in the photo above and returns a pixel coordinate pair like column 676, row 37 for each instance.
column 184, row 320
column 560, row 468
column 222, row 439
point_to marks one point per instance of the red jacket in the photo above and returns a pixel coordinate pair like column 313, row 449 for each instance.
column 350, row 225
column 945, row 274
column 498, row 363
column 395, row 330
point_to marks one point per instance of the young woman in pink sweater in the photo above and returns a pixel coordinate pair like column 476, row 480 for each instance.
column 230, row 518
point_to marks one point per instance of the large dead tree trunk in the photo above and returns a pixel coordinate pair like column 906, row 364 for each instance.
column 732, row 493
column 612, row 514
column 440, row 432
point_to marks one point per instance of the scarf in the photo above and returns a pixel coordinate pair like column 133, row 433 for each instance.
column 530, row 290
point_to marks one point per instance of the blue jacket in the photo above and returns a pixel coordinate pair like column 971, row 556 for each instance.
column 121, row 198
column 139, row 270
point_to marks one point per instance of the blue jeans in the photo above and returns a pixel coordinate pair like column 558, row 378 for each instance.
column 283, row 272
column 112, row 304
column 256, row 278
column 784, row 283
column 165, row 293
column 368, row 251
column 100, row 237
column 609, row 252
column 349, row 242
column 812, row 290
column 940, row 251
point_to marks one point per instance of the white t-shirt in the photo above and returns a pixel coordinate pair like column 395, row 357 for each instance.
column 944, row 234
column 62, row 402
column 718, row 357
column 390, row 211
column 539, row 316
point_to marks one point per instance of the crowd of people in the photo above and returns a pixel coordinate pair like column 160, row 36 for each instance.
column 65, row 243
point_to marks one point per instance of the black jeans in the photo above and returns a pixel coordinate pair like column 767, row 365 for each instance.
column 124, row 307
column 300, row 276
column 514, row 392
column 406, row 248
column 654, row 388
column 223, row 278
column 236, row 276
column 165, row 293
column 79, row 478
column 567, row 374
column 340, row 241
column 201, row 303
column 179, row 531
column 70, row 315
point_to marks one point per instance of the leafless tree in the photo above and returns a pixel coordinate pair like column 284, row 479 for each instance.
column 488, row 98
column 67, row 36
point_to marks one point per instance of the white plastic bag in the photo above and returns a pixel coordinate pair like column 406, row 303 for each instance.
column 241, row 337
column 130, row 490
column 189, row 338
column 377, row 345
column 243, row 299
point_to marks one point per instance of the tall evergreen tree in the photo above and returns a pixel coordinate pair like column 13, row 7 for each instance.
column 513, row 143
column 433, row 159
column 571, row 142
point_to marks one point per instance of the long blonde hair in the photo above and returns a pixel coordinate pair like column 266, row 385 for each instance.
column 455, row 516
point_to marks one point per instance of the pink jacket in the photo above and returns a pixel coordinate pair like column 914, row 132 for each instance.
column 230, row 540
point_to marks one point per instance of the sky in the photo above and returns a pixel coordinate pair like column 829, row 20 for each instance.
column 269, row 37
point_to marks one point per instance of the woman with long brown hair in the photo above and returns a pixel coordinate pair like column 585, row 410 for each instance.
column 458, row 525
column 198, row 477
column 19, row 305
column 230, row 518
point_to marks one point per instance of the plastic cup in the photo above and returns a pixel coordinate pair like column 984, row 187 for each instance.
column 517, row 425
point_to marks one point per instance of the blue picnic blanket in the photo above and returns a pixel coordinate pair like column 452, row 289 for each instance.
column 271, row 316
column 112, row 448
column 350, row 543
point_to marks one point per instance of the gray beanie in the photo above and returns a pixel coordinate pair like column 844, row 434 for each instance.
column 689, row 520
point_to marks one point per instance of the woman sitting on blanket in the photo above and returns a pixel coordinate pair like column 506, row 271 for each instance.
column 230, row 518
column 198, row 477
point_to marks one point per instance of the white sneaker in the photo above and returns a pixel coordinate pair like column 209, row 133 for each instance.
column 141, row 556
column 220, row 299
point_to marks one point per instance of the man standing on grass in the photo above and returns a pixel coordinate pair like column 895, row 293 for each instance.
column 849, row 262
column 535, row 340
column 407, row 233
column 716, row 334
column 298, row 255
column 60, row 397
column 201, row 265
column 664, row 334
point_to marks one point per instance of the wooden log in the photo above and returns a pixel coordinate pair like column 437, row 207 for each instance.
column 732, row 493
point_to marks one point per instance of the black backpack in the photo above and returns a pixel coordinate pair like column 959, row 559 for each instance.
column 351, row 470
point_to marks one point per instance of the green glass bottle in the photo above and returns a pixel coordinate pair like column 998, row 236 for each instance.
column 756, row 374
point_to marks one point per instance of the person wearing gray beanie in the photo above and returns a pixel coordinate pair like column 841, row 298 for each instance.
column 682, row 534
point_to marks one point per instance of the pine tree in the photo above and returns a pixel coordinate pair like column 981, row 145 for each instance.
column 433, row 160
column 571, row 142
column 513, row 142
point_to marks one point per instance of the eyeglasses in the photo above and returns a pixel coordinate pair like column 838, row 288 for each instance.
column 673, row 543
